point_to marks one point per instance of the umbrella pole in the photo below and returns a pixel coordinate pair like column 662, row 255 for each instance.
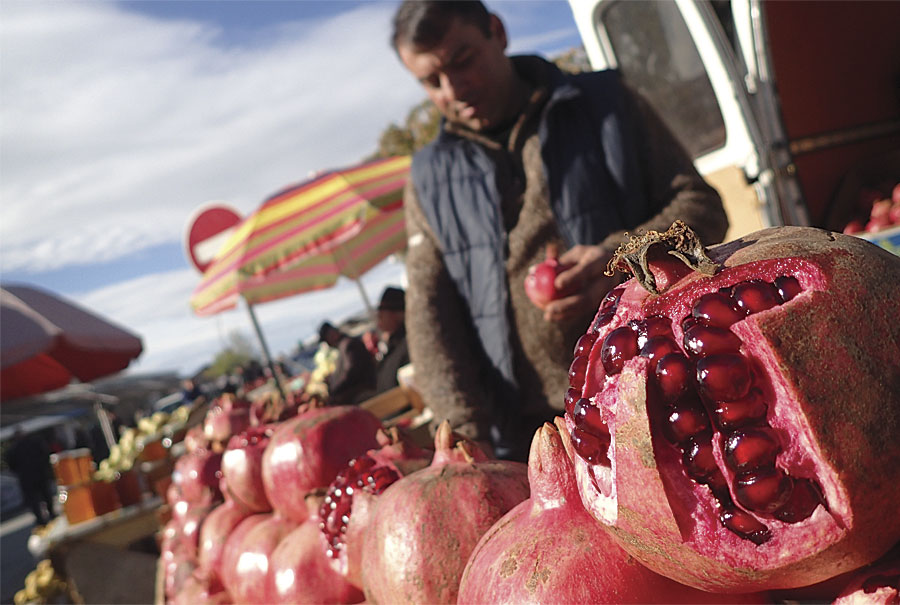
column 365, row 298
column 105, row 424
column 265, row 350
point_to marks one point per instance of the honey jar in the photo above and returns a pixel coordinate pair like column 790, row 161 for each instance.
column 77, row 502
column 72, row 467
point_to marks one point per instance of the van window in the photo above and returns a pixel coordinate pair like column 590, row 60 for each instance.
column 657, row 57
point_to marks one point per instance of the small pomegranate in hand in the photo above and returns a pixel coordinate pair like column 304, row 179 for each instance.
column 540, row 283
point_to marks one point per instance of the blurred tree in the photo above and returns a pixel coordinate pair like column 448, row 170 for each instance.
column 238, row 352
column 423, row 121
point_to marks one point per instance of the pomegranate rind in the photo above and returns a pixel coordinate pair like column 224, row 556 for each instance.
column 548, row 549
column 306, row 453
column 299, row 571
column 833, row 358
column 401, row 455
column 426, row 524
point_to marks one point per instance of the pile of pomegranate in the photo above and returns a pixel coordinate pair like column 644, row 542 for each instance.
column 875, row 211
column 730, row 436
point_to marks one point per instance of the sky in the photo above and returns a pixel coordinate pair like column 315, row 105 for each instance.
column 118, row 120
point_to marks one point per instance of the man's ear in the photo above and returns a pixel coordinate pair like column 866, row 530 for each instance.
column 498, row 30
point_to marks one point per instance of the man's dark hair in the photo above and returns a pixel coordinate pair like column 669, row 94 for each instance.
column 423, row 23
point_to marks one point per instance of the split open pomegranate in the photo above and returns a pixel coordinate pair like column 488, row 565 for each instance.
column 735, row 416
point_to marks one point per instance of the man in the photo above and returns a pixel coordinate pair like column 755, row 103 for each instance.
column 393, row 352
column 527, row 156
column 353, row 379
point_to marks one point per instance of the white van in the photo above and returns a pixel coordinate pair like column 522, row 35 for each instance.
column 790, row 108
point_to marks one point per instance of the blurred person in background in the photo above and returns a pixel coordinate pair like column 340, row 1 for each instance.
column 527, row 156
column 353, row 378
column 29, row 459
column 393, row 352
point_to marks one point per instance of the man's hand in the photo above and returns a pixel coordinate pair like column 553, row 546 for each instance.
column 585, row 276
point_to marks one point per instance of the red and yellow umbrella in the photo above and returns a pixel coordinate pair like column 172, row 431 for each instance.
column 305, row 237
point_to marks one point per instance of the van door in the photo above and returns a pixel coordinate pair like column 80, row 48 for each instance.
column 684, row 57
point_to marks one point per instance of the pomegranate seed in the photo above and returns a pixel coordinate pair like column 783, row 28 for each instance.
column 363, row 463
column 674, row 374
column 745, row 525
column 751, row 448
column 701, row 340
column 718, row 485
column 572, row 395
column 723, row 377
column 788, row 287
column 686, row 419
column 601, row 320
column 803, row 502
column 763, row 491
column 587, row 418
column 619, row 346
column 658, row 347
column 592, row 448
column 730, row 415
column 755, row 296
column 699, row 461
column 654, row 325
column 611, row 300
column 689, row 322
column 584, row 344
column 717, row 309
column 577, row 371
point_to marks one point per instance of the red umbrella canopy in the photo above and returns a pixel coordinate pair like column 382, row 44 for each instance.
column 46, row 341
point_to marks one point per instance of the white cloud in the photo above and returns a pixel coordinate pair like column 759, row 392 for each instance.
column 117, row 126
column 156, row 308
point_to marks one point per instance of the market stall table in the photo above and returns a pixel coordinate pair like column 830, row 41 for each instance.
column 108, row 559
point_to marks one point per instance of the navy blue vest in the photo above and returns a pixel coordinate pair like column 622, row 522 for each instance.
column 594, row 188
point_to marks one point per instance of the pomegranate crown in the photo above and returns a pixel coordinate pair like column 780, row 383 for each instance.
column 678, row 241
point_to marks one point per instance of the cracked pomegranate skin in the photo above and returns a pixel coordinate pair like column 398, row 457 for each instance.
column 823, row 362
column 548, row 549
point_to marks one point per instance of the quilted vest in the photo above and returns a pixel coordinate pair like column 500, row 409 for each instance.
column 594, row 188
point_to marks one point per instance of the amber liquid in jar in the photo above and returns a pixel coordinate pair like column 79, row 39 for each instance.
column 105, row 497
column 72, row 467
column 77, row 503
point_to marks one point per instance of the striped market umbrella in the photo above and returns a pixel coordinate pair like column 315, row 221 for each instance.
column 340, row 223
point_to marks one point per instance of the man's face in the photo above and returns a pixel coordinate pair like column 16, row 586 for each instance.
column 388, row 321
column 466, row 75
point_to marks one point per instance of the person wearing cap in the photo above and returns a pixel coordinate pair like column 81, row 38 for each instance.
column 353, row 379
column 393, row 354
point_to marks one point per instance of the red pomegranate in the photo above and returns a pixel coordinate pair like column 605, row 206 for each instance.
column 306, row 453
column 227, row 416
column 548, row 549
column 300, row 571
column 427, row 523
column 242, row 467
column 214, row 531
column 248, row 550
column 350, row 499
column 540, row 281
column 736, row 425
column 196, row 591
column 194, row 439
column 190, row 527
column 197, row 475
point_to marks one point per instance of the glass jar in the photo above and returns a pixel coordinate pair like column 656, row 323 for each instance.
column 104, row 496
column 128, row 486
column 72, row 467
column 77, row 502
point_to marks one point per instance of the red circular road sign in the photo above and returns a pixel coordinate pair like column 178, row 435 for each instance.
column 208, row 229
